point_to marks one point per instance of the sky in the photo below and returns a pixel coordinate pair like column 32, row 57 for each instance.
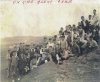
column 42, row 19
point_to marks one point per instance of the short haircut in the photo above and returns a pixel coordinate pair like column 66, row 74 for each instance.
column 91, row 37
column 90, row 15
column 82, row 16
column 94, row 10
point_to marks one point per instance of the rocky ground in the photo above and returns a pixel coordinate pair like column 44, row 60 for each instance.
column 76, row 69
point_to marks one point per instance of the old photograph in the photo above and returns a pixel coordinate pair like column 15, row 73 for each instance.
column 49, row 41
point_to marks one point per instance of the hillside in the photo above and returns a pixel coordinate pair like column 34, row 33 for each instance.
column 85, row 68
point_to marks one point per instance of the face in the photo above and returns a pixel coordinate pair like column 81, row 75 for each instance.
column 57, row 45
column 50, row 40
column 78, row 39
column 82, row 18
column 94, row 12
column 66, row 27
column 15, row 54
column 74, row 26
column 88, row 32
column 69, row 26
column 75, row 31
column 91, row 39
column 61, row 29
column 45, row 39
column 79, row 23
column 90, row 16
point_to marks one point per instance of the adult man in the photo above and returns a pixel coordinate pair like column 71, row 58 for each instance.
column 61, row 31
column 90, row 19
column 89, row 23
column 92, row 44
column 95, row 19
column 83, row 23
column 45, row 42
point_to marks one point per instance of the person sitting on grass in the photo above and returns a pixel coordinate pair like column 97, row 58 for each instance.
column 92, row 44
column 67, row 54
column 58, row 53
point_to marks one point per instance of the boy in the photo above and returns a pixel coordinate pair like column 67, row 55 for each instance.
column 14, row 63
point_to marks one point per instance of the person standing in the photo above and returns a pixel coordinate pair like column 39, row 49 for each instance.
column 9, row 63
column 95, row 22
column 83, row 24
column 14, row 63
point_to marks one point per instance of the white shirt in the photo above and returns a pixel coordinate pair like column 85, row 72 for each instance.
column 66, row 36
column 94, row 20
column 50, row 44
column 84, row 23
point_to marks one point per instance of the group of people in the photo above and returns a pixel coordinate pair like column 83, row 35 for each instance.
column 69, row 42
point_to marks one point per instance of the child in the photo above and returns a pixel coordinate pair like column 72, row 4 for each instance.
column 14, row 63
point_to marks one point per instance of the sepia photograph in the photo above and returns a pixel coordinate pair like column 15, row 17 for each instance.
column 49, row 41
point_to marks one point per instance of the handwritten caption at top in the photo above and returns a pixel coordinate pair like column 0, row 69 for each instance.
column 40, row 1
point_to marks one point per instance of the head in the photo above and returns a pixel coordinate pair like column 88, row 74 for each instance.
column 74, row 25
column 45, row 38
column 79, row 27
column 14, row 53
column 55, row 36
column 91, row 38
column 82, row 18
column 75, row 39
column 68, row 33
column 79, row 23
column 62, row 37
column 88, row 32
column 22, row 55
column 94, row 11
column 69, row 26
column 57, row 45
column 66, row 27
column 50, row 39
column 90, row 16
column 78, row 38
column 61, row 29
column 74, row 30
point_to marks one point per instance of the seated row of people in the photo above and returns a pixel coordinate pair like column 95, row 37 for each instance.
column 73, row 41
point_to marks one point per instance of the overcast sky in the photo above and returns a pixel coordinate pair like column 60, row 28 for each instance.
column 44, row 19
